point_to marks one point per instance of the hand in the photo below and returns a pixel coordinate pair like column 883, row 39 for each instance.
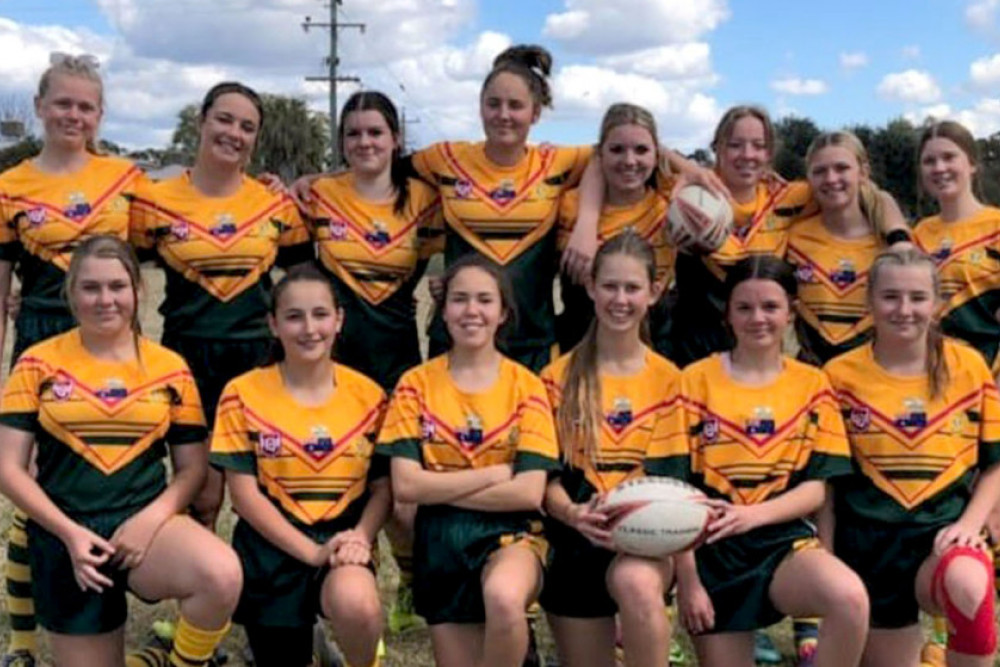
column 591, row 523
column 957, row 534
column 89, row 551
column 349, row 547
column 773, row 179
column 13, row 304
column 578, row 258
column 695, row 607
column 273, row 182
column 299, row 192
column 435, row 285
column 706, row 178
column 132, row 539
column 730, row 520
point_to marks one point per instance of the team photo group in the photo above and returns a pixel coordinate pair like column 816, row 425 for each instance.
column 658, row 404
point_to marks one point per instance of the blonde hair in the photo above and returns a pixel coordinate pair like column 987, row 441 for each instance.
column 869, row 194
column 82, row 66
column 936, row 365
column 724, row 130
column 578, row 418
column 624, row 113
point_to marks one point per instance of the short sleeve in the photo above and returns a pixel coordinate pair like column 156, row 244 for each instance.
column 142, row 217
column 430, row 226
column 989, row 425
column 402, row 432
column 9, row 245
column 569, row 207
column 424, row 162
column 537, row 448
column 553, row 386
column 231, row 446
column 831, row 453
column 20, row 401
column 187, row 418
column 669, row 451
column 572, row 161
column 294, row 243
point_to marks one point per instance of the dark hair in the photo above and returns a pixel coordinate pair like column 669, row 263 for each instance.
column 578, row 417
column 961, row 137
column 507, row 303
column 936, row 365
column 532, row 63
column 372, row 100
column 226, row 87
column 762, row 267
column 307, row 272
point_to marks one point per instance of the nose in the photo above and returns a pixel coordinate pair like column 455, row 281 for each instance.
column 104, row 296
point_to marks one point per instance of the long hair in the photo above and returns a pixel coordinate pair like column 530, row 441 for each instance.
column 579, row 416
column 936, row 365
column 371, row 100
column 307, row 272
column 869, row 194
column 532, row 63
column 81, row 66
column 961, row 137
column 624, row 113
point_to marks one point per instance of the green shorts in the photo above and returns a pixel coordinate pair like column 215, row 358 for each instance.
column 279, row 590
column 214, row 362
column 34, row 327
column 60, row 605
column 452, row 546
column 887, row 557
column 737, row 573
column 575, row 580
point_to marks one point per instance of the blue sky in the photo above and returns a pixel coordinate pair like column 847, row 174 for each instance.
column 839, row 63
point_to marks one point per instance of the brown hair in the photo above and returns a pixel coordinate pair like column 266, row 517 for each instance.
column 106, row 246
column 225, row 88
column 306, row 272
column 961, row 137
column 507, row 303
column 578, row 418
column 532, row 63
column 869, row 194
column 936, row 365
column 724, row 130
column 81, row 66
column 372, row 100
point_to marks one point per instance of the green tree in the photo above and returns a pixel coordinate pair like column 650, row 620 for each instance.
column 892, row 151
column 793, row 135
column 292, row 142
column 989, row 172
column 24, row 149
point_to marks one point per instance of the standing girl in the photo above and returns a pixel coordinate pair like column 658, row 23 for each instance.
column 48, row 205
column 218, row 233
column 472, row 438
column 296, row 438
column 103, row 404
column 609, row 394
column 924, row 422
column 764, row 435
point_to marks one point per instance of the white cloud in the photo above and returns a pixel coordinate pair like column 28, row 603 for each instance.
column 912, row 85
column 798, row 86
column 910, row 52
column 981, row 15
column 854, row 60
column 674, row 62
column 982, row 119
column 985, row 72
column 599, row 27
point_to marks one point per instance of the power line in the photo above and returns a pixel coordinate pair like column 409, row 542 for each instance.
column 332, row 62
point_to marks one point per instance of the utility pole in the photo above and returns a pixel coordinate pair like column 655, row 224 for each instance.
column 403, row 122
column 332, row 61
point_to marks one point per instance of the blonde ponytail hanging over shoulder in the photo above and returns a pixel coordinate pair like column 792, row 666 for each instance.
column 578, row 418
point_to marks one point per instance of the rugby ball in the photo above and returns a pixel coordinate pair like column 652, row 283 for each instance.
column 706, row 232
column 655, row 516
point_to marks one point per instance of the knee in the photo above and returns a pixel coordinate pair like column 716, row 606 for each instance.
column 505, row 604
column 636, row 586
column 851, row 600
column 222, row 578
column 966, row 583
column 356, row 607
column 965, row 580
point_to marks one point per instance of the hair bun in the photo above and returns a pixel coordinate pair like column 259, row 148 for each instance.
column 534, row 57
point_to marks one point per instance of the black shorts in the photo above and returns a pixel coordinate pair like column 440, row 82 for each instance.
column 576, row 578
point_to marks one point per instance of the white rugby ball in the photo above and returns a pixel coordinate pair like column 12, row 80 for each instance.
column 655, row 516
column 688, row 232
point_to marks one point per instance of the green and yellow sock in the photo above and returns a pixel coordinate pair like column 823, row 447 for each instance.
column 148, row 657
column 193, row 646
column 20, row 604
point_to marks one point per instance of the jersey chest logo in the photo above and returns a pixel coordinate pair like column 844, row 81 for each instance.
column 78, row 207
column 224, row 227
column 379, row 236
column 845, row 274
column 270, row 444
column 761, row 422
column 860, row 418
column 472, row 435
column 621, row 414
column 319, row 444
column 113, row 391
column 913, row 416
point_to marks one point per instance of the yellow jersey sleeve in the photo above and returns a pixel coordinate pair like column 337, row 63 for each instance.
column 537, row 448
column 231, row 447
column 403, row 428
column 569, row 208
column 830, row 452
column 19, row 403
column 989, row 429
column 669, row 453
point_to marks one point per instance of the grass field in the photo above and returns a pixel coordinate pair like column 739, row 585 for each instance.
column 409, row 649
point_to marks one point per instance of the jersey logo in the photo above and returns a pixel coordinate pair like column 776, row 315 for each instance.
column 36, row 216
column 62, row 389
column 804, row 273
column 710, row 429
column 861, row 418
column 379, row 236
column 472, row 434
column 513, row 435
column 270, row 444
column 504, row 193
column 224, row 227
column 463, row 189
column 621, row 413
column 338, row 229
column 427, row 428
column 762, row 422
column 914, row 415
column 943, row 251
column 845, row 273
column 78, row 207
column 180, row 229
column 320, row 444
column 112, row 392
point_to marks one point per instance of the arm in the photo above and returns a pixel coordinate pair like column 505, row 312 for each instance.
column 5, row 273
column 354, row 546
column 694, row 605
column 582, row 245
column 967, row 530
column 412, row 484
column 254, row 508
column 826, row 521
column 795, row 503
column 522, row 493
column 690, row 172
column 583, row 517
column 87, row 550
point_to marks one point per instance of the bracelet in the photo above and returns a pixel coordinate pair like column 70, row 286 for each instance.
column 898, row 236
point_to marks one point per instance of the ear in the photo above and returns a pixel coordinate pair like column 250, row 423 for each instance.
column 38, row 105
column 656, row 290
column 536, row 113
column 588, row 284
column 339, row 326
column 272, row 325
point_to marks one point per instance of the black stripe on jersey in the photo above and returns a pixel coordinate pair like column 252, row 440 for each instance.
column 512, row 235
column 558, row 179
column 216, row 273
column 789, row 211
column 616, row 467
column 839, row 319
column 108, row 440
column 316, row 495
column 911, row 474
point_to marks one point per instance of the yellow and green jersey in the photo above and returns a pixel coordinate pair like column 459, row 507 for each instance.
column 102, row 426
column 967, row 255
column 43, row 217
column 832, row 273
column 217, row 253
column 508, row 215
column 313, row 462
column 915, row 457
column 633, row 411
column 375, row 258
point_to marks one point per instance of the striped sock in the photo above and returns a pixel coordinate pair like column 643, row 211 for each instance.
column 939, row 630
column 148, row 657
column 193, row 647
column 20, row 604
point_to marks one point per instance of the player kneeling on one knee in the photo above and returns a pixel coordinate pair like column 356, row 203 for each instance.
column 105, row 405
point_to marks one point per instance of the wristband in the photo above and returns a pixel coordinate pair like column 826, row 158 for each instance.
column 897, row 236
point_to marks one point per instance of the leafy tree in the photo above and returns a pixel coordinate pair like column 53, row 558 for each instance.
column 794, row 136
column 292, row 142
column 26, row 148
